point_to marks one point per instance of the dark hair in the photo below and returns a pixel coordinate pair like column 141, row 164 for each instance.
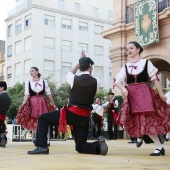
column 98, row 97
column 137, row 45
column 84, row 67
column 36, row 69
column 85, row 63
column 3, row 84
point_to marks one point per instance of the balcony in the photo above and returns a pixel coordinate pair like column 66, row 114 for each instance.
column 130, row 10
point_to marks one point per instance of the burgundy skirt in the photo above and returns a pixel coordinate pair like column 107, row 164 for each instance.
column 143, row 112
column 28, row 113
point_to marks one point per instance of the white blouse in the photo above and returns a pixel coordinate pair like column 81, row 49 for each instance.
column 37, row 87
column 135, row 69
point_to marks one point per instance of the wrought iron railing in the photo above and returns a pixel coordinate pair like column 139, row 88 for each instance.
column 163, row 4
column 130, row 14
column 130, row 10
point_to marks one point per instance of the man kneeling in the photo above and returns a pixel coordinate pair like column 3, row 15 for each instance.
column 77, row 113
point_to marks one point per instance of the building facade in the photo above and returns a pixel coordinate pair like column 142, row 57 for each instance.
column 2, row 59
column 51, row 35
column 123, row 31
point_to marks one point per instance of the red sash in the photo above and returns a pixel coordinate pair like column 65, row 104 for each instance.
column 115, row 116
column 76, row 110
column 2, row 117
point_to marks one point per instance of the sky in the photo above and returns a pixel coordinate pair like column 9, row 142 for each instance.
column 6, row 5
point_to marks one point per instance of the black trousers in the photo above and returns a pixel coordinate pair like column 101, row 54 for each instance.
column 80, row 126
column 97, row 128
column 110, row 121
column 2, row 126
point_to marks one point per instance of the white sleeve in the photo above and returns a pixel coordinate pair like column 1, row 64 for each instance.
column 152, row 71
column 116, row 103
column 27, row 88
column 105, row 104
column 70, row 78
column 47, row 88
column 121, row 76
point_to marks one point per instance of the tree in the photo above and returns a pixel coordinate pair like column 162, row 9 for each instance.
column 17, row 94
column 61, row 95
column 102, row 94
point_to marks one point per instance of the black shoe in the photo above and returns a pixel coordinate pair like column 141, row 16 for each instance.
column 48, row 144
column 103, row 146
column 39, row 150
column 138, row 144
column 161, row 152
column 3, row 140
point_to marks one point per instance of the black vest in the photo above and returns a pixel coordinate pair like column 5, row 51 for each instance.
column 141, row 77
column 33, row 93
column 5, row 102
column 83, row 91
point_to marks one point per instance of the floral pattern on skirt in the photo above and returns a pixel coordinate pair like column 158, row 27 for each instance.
column 24, row 117
column 138, row 125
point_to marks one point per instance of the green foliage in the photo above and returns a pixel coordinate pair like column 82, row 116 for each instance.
column 17, row 94
column 102, row 94
column 63, row 94
column 164, row 89
column 120, row 101
column 60, row 94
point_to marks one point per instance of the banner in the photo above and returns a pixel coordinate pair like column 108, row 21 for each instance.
column 146, row 22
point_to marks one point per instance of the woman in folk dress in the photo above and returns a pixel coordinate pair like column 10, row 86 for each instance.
column 34, row 103
column 144, row 111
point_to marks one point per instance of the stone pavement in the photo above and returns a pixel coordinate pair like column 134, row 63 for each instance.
column 63, row 156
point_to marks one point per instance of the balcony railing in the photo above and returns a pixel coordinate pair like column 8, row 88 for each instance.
column 130, row 10
column 130, row 14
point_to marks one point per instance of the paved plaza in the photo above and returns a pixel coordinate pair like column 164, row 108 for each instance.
column 63, row 156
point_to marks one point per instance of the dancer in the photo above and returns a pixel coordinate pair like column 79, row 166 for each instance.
column 5, row 102
column 77, row 113
column 110, row 108
column 144, row 112
column 34, row 103
column 97, row 119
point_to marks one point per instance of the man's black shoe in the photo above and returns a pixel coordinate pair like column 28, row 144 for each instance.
column 3, row 140
column 39, row 150
column 103, row 146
